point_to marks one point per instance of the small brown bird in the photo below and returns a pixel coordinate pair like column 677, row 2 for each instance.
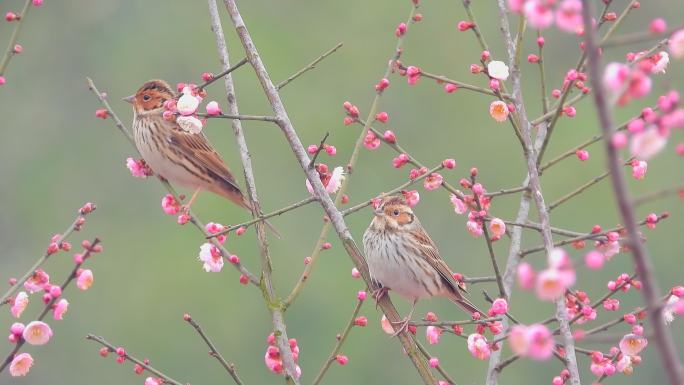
column 402, row 257
column 179, row 156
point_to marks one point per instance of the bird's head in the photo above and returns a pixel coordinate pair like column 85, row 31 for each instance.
column 150, row 96
column 394, row 213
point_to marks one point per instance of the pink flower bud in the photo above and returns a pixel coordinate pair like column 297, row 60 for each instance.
column 465, row 25
column 390, row 137
column 382, row 117
column 341, row 359
column 355, row 273
column 658, row 26
column 449, row 163
column 361, row 321
column 434, row 362
column 361, row 295
column 450, row 88
column 532, row 58
column 382, row 84
column 582, row 154
column 213, row 108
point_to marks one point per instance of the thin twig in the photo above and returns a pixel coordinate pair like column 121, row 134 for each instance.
column 535, row 187
column 662, row 335
column 74, row 226
column 397, row 189
column 513, row 190
column 48, row 306
column 222, row 74
column 9, row 53
column 638, row 37
column 273, row 302
column 238, row 117
column 320, row 148
column 147, row 367
column 336, row 218
column 439, row 367
column 657, row 195
column 230, row 367
column 325, row 229
column 264, row 217
column 309, row 67
column 341, row 339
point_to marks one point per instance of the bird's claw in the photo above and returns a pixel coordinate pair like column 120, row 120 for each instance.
column 404, row 326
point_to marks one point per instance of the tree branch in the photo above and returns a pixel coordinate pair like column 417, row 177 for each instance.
column 664, row 342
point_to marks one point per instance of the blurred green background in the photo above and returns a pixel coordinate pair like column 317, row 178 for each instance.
column 55, row 155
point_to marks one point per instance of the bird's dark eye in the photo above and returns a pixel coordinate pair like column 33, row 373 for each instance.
column 146, row 97
column 395, row 212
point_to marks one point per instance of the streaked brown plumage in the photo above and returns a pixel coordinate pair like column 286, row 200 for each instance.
column 402, row 257
column 181, row 157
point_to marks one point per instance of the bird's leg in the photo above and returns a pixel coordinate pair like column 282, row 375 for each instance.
column 186, row 207
column 405, row 322
column 379, row 293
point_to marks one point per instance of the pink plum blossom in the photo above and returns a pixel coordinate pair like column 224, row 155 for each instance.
column 497, row 70
column 499, row 111
column 516, row 6
column 474, row 228
column 433, row 181
column 550, row 285
column 499, row 307
column 540, row 342
column 459, row 206
column 170, row 205
column 538, row 13
column 37, row 281
column 432, row 334
column 60, row 309
column 478, row 346
column 37, row 333
column 212, row 258
column 138, row 168
column 676, row 44
column 639, row 168
column 498, row 227
column 85, row 279
column 645, row 144
column 412, row 197
column 632, row 344
column 19, row 304
column 152, row 381
column 21, row 364
column 187, row 104
column 526, row 276
column 569, row 16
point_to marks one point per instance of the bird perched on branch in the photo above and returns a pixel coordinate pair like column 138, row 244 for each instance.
column 402, row 257
column 182, row 157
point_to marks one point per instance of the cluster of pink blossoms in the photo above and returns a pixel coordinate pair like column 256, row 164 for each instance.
column 332, row 181
column 273, row 359
column 38, row 332
column 184, row 110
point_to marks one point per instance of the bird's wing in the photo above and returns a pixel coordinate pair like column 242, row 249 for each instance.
column 428, row 249
column 197, row 147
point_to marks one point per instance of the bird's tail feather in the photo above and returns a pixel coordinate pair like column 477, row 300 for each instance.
column 466, row 305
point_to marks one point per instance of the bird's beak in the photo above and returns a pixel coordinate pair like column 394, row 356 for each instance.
column 129, row 99
column 377, row 212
